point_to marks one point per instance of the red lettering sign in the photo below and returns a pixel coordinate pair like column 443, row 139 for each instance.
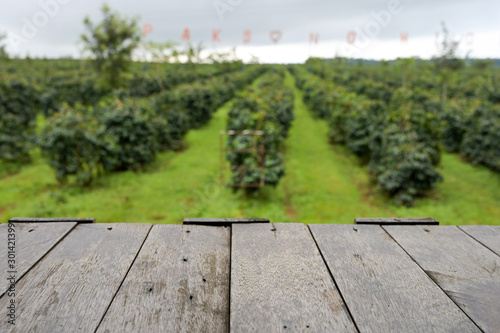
column 351, row 37
column 404, row 36
column 186, row 35
column 276, row 35
column 314, row 38
column 147, row 29
column 215, row 35
column 247, row 36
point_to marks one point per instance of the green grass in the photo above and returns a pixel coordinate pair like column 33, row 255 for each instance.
column 323, row 184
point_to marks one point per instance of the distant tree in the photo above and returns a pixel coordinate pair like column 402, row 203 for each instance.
column 447, row 62
column 111, row 43
column 3, row 52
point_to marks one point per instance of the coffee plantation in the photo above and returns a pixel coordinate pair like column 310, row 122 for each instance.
column 395, row 124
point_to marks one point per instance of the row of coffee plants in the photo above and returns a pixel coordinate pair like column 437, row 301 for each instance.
column 73, row 89
column 398, row 139
column 151, row 81
column 82, row 142
column 269, row 109
column 192, row 105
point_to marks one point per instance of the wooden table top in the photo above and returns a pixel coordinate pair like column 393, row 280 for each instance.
column 257, row 277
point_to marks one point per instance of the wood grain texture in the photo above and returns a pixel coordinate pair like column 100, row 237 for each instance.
column 70, row 289
column 33, row 241
column 385, row 290
column 179, row 283
column 60, row 219
column 466, row 270
column 488, row 235
column 397, row 221
column 280, row 283
column 218, row 222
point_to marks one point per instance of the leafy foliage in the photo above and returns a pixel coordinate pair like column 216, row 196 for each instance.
column 268, row 109
column 481, row 144
column 129, row 139
column 405, row 155
column 399, row 138
column 455, row 127
column 71, row 146
column 17, row 121
column 111, row 43
column 192, row 105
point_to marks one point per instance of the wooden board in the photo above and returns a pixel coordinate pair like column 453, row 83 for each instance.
column 384, row 289
column 488, row 235
column 70, row 289
column 40, row 220
column 32, row 242
column 397, row 221
column 222, row 222
column 179, row 283
column 466, row 270
column 279, row 282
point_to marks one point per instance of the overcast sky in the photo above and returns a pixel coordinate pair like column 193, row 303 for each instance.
column 279, row 30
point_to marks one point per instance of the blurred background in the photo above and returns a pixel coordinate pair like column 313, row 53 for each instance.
column 296, row 111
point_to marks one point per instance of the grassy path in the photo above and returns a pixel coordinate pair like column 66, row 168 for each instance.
column 323, row 185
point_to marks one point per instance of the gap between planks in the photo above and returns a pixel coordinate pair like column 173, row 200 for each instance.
column 444, row 291
column 124, row 277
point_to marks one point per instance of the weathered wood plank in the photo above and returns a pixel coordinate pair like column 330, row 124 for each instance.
column 397, row 221
column 179, row 283
column 279, row 282
column 219, row 222
column 488, row 235
column 70, row 289
column 385, row 290
column 466, row 270
column 32, row 242
column 51, row 219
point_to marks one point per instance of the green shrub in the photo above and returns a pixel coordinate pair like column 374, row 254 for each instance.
column 455, row 127
column 70, row 145
column 405, row 150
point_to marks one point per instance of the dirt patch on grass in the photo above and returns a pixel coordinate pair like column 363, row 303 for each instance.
column 367, row 194
column 189, row 202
